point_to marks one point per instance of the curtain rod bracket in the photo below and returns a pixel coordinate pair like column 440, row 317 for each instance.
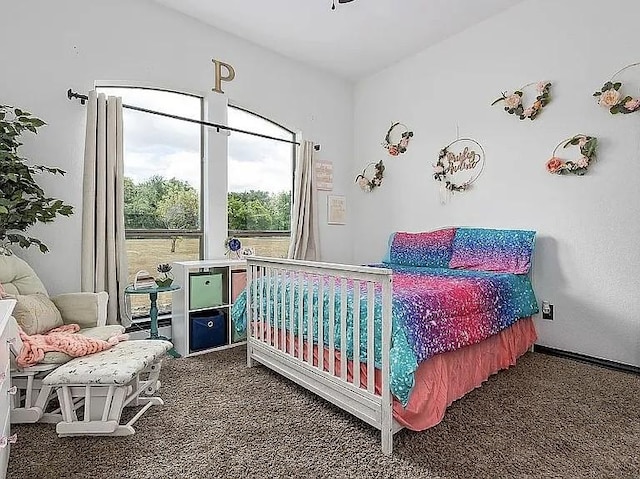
column 72, row 94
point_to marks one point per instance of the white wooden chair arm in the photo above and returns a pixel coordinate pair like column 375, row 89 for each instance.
column 86, row 309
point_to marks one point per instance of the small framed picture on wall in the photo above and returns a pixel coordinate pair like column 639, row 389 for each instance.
column 336, row 210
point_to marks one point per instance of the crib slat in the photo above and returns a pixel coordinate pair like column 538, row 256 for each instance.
column 370, row 337
column 321, row 323
column 356, row 333
column 310, row 325
column 268, row 318
column 300, row 315
column 292, row 283
column 343, row 329
column 254, row 301
column 276, row 280
column 332, row 324
column 282, row 320
column 261, row 306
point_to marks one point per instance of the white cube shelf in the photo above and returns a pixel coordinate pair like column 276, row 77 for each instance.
column 182, row 311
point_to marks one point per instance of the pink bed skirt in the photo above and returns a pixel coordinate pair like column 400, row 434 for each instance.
column 449, row 376
column 443, row 378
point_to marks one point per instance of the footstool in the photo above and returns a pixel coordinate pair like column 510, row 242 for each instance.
column 102, row 384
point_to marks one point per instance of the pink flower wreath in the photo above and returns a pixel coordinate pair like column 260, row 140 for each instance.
column 587, row 144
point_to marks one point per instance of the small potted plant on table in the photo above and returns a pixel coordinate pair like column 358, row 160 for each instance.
column 167, row 277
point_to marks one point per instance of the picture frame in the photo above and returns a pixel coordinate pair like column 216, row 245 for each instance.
column 336, row 210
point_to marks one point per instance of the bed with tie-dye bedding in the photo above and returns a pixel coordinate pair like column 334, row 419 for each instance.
column 435, row 310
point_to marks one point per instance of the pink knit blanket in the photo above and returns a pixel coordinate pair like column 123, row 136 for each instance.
column 63, row 339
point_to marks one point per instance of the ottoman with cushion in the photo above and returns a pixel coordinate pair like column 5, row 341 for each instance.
column 93, row 390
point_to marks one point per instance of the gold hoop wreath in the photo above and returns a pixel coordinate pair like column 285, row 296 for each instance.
column 450, row 163
column 513, row 101
column 588, row 146
column 399, row 146
column 611, row 97
column 368, row 182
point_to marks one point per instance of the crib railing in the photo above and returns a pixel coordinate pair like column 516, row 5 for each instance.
column 310, row 345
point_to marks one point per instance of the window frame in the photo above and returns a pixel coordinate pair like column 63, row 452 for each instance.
column 268, row 233
column 144, row 233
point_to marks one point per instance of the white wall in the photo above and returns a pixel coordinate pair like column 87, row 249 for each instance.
column 587, row 260
column 72, row 43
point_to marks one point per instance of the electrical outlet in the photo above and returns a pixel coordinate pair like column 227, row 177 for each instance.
column 547, row 310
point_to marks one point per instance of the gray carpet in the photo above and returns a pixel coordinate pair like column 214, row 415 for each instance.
column 545, row 417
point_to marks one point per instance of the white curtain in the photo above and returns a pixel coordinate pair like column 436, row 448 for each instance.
column 104, row 261
column 304, row 217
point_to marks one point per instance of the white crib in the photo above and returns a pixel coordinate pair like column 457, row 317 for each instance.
column 271, row 341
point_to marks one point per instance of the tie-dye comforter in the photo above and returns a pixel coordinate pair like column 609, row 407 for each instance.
column 435, row 310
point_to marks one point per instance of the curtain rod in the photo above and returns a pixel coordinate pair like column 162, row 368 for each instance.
column 72, row 95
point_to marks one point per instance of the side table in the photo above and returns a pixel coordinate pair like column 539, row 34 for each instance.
column 153, row 312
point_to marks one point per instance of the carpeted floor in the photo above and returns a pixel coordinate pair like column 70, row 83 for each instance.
column 545, row 417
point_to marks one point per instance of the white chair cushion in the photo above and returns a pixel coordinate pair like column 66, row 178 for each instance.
column 115, row 366
column 99, row 332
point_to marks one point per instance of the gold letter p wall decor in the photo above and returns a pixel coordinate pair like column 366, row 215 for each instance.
column 229, row 76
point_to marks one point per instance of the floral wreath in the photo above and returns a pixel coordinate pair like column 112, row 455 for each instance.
column 513, row 101
column 440, row 171
column 395, row 149
column 588, row 146
column 611, row 98
column 368, row 184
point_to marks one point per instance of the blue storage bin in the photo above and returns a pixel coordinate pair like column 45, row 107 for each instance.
column 207, row 329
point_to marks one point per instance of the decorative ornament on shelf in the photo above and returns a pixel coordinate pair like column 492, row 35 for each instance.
column 233, row 246
column 368, row 182
column 397, row 139
column 611, row 97
column 588, row 146
column 513, row 101
column 167, row 276
column 459, row 164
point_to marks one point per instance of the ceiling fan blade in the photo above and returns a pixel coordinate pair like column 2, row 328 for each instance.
column 344, row 1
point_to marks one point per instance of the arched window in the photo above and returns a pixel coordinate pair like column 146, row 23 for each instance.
column 260, row 183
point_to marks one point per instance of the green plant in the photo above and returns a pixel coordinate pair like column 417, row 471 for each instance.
column 22, row 202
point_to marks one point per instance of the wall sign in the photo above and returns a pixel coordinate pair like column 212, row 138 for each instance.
column 219, row 78
column 336, row 210
column 324, row 175
column 460, row 163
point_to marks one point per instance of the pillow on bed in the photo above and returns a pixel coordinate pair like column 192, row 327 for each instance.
column 431, row 249
column 506, row 251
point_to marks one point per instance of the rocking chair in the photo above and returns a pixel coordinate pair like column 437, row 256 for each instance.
column 89, row 310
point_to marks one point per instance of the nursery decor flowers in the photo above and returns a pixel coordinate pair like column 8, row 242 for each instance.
column 587, row 145
column 397, row 144
column 368, row 183
column 513, row 101
column 611, row 97
column 456, row 168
